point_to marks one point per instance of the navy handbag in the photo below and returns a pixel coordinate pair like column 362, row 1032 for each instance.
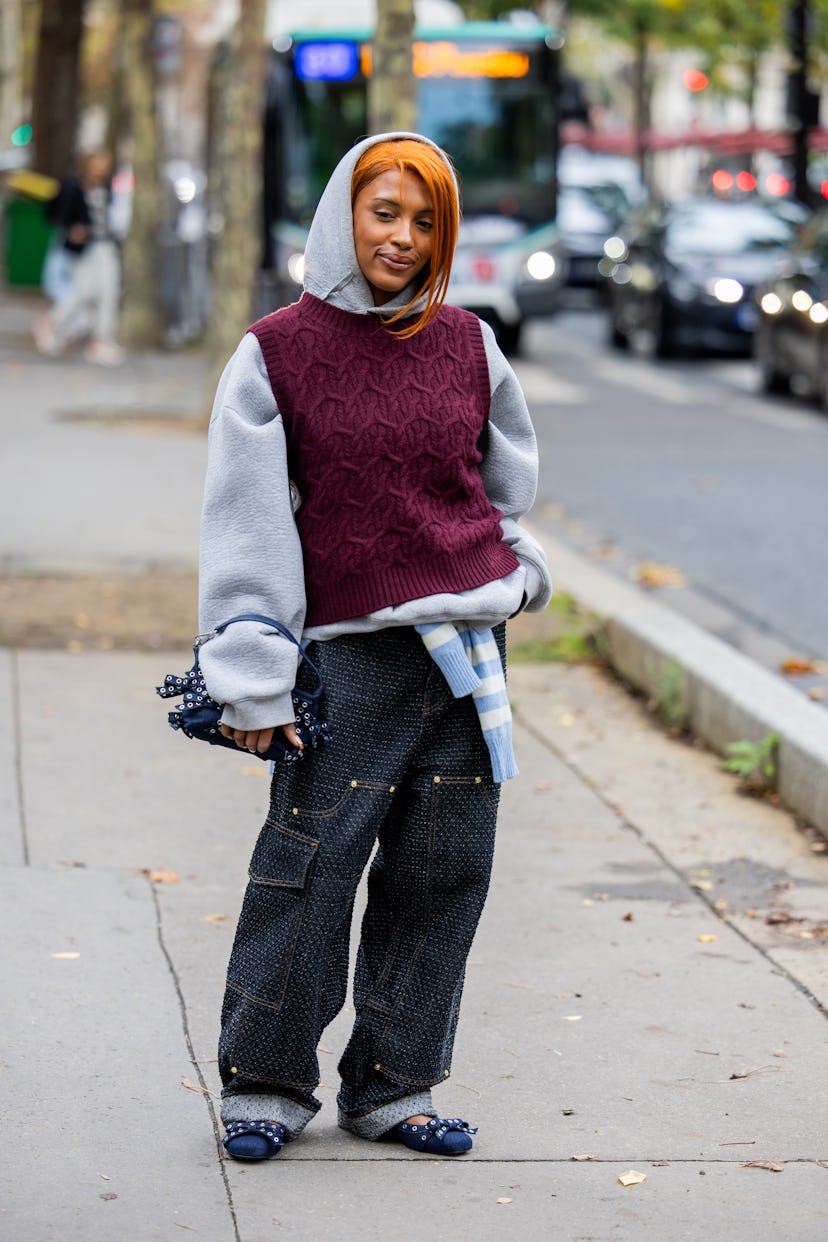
column 198, row 715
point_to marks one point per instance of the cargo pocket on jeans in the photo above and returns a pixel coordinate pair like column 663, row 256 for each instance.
column 272, row 914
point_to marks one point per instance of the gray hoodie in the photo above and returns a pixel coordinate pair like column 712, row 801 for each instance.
column 251, row 558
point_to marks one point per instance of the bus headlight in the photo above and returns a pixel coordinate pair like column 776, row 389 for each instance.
column 296, row 267
column 541, row 265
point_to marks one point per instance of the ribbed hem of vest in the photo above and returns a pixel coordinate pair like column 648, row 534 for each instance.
column 388, row 587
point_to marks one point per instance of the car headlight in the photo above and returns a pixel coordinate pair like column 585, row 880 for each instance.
column 771, row 303
column 726, row 290
column 541, row 265
column 296, row 267
column 615, row 248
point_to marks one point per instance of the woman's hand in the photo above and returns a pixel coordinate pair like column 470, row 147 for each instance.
column 260, row 739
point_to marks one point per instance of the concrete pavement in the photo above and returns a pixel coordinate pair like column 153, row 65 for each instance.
column 648, row 987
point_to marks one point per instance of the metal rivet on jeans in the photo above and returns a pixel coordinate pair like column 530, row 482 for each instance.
column 436, row 780
column 392, row 788
column 478, row 779
column 377, row 1066
column 445, row 1073
column 233, row 1069
column 354, row 784
column 296, row 810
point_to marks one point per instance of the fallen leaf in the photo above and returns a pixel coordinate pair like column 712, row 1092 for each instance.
column 509, row 983
column 504, row 1199
column 600, row 896
column 160, row 876
column 587, row 1156
column 799, row 666
column 568, row 1112
column 628, row 918
column 542, row 786
column 564, row 995
column 779, row 1052
column 250, row 770
column 661, row 1164
column 105, row 1177
column 653, row 575
column 704, row 886
column 823, row 1164
column 781, row 916
column 573, row 1017
column 216, row 918
column 745, row 1005
column 191, row 1086
column 108, row 1196
column 648, row 974
column 773, row 1166
column 65, row 956
column 759, row 1069
column 632, row 1178
column 707, row 938
column 818, row 694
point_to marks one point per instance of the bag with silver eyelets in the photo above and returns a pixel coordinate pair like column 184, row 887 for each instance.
column 198, row 715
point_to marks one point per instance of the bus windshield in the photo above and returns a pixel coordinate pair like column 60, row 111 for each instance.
column 488, row 101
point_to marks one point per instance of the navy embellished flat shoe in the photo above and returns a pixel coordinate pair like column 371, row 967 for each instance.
column 442, row 1136
column 253, row 1140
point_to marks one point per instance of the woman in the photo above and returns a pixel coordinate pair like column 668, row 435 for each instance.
column 370, row 455
column 89, row 289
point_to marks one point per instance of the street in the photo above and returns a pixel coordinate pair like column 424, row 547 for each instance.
column 683, row 463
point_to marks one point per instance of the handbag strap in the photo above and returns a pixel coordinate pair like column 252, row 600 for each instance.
column 276, row 625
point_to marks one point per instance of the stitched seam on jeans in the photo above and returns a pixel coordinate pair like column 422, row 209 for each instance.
column 387, row 1072
column 257, row 1000
column 277, row 1082
column 278, row 826
column 353, row 788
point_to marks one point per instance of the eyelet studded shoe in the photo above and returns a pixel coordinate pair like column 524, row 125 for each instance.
column 442, row 1136
column 253, row 1140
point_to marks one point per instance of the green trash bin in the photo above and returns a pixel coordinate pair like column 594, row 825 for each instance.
column 28, row 233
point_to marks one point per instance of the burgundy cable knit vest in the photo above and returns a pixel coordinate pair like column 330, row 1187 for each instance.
column 382, row 439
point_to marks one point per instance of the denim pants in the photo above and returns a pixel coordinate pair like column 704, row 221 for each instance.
column 406, row 770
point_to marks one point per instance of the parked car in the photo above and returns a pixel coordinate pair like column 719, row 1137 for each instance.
column 587, row 216
column 791, row 340
column 507, row 273
column 684, row 274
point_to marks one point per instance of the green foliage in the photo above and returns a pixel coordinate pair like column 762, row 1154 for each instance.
column 668, row 701
column 754, row 762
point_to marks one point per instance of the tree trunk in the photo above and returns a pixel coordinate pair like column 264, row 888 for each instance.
column 56, row 85
column 238, row 185
column 392, row 102
column 11, row 67
column 641, row 101
column 142, row 319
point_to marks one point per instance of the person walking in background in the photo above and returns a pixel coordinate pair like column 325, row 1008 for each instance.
column 91, row 281
column 370, row 456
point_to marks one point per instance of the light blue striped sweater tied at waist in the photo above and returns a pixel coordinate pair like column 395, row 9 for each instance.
column 470, row 662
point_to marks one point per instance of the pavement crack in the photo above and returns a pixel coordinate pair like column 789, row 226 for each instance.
column 17, row 727
column 185, row 1026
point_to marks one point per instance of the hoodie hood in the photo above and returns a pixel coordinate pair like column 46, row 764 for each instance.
column 331, row 269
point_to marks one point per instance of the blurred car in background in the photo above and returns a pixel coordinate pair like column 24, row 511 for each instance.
column 684, row 274
column 587, row 216
column 507, row 273
column 791, row 341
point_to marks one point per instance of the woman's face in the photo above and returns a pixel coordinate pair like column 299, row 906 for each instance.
column 393, row 232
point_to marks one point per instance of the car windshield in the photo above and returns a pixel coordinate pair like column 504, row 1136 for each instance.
column 726, row 228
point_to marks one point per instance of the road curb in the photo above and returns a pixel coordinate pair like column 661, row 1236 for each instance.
column 725, row 696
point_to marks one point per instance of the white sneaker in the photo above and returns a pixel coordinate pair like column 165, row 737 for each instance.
column 104, row 354
column 44, row 337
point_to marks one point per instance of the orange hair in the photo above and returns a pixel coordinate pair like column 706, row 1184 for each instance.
column 437, row 175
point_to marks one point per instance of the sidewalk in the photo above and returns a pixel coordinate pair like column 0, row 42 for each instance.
column 648, row 987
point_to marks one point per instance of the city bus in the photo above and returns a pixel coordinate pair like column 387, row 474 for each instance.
column 486, row 92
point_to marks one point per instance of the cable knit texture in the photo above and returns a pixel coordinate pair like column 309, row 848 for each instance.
column 383, row 444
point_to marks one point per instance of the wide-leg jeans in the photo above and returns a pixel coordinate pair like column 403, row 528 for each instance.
column 406, row 771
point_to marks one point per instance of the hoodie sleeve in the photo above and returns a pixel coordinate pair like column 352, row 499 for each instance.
column 510, row 471
column 250, row 555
